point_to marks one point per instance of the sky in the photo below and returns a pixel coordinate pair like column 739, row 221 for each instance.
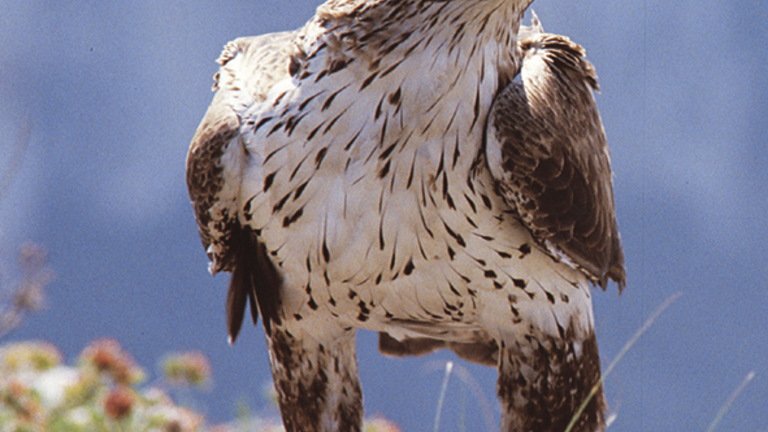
column 109, row 95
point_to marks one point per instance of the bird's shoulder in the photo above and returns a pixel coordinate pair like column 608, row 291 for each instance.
column 249, row 68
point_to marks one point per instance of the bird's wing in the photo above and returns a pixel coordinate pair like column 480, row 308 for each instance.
column 546, row 149
column 249, row 68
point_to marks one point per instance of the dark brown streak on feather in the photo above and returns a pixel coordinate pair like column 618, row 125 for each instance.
column 326, row 252
column 429, row 124
column 381, row 233
column 294, row 66
column 440, row 166
column 339, row 64
column 272, row 153
column 409, row 267
column 393, row 177
column 486, row 201
column 407, row 53
column 329, row 99
column 321, row 75
column 410, row 173
column 450, row 123
column 394, row 98
column 304, row 75
column 292, row 122
column 471, row 222
column 300, row 190
column 471, row 184
column 432, row 106
column 279, row 206
column 383, row 132
column 279, row 98
column 482, row 236
column 275, row 128
column 309, row 99
column 261, row 123
column 385, row 154
column 377, row 113
column 391, row 47
column 484, row 23
column 390, row 69
column 288, row 220
column 298, row 167
column 405, row 141
column 451, row 252
column 320, row 156
column 352, row 141
column 318, row 50
column 381, row 202
column 457, row 36
column 368, row 81
column 384, row 170
column 471, row 203
column 459, row 239
column 247, row 209
column 314, row 131
column 424, row 224
column 332, row 122
column 456, row 152
column 268, row 181
column 446, row 196
column 476, row 109
column 423, row 194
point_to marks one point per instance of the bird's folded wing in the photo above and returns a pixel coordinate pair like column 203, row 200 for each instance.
column 546, row 149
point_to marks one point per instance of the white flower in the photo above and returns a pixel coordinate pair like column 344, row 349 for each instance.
column 52, row 384
column 80, row 416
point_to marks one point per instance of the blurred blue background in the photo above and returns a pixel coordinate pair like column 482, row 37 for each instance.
column 112, row 92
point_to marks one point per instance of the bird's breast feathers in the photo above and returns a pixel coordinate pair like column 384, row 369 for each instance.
column 365, row 180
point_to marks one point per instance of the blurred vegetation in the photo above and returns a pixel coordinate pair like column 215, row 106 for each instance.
column 104, row 390
column 101, row 392
column 28, row 294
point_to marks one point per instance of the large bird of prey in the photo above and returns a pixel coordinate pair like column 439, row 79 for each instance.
column 426, row 169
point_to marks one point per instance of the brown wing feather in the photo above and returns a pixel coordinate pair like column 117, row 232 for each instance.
column 214, row 187
column 205, row 180
column 553, row 163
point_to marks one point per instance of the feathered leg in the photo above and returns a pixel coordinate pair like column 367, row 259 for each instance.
column 544, row 380
column 317, row 382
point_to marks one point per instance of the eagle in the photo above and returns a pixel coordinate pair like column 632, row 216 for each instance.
column 430, row 170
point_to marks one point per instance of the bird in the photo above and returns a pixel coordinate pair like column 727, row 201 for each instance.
column 430, row 170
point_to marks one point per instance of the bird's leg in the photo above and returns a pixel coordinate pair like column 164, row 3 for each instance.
column 316, row 381
column 544, row 380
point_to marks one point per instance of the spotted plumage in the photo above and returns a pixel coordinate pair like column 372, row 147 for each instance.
column 381, row 168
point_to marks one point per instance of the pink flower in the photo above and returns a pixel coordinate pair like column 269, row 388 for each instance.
column 119, row 402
